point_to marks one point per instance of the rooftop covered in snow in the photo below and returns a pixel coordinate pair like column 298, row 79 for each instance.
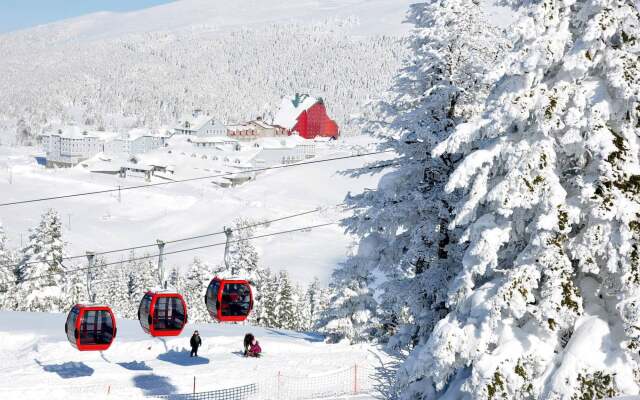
column 291, row 108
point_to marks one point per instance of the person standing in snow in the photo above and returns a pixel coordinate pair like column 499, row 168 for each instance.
column 195, row 342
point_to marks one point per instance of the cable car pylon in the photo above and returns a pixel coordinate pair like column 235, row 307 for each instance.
column 228, row 232
column 90, row 327
column 91, row 258
column 229, row 299
column 163, row 280
column 162, row 312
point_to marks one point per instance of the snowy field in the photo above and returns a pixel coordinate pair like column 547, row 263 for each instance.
column 102, row 222
column 36, row 360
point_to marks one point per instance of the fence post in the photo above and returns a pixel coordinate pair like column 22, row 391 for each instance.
column 194, row 385
column 355, row 378
column 278, row 386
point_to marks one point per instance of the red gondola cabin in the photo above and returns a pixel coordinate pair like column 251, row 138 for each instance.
column 90, row 327
column 162, row 313
column 229, row 300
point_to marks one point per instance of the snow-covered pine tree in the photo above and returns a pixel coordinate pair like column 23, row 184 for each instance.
column 195, row 286
column 313, row 297
column 114, row 291
column 99, row 277
column 40, row 272
column 323, row 303
column 403, row 224
column 547, row 303
column 7, row 275
column 130, row 309
column 302, row 310
column 75, row 289
column 366, row 65
column 266, row 310
column 243, row 257
column 140, row 276
column 176, row 280
column 286, row 317
column 8, row 297
column 352, row 312
column 263, row 297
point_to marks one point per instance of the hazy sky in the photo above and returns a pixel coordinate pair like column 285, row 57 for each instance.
column 20, row 14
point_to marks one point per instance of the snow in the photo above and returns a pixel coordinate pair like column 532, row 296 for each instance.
column 36, row 359
column 288, row 113
column 133, row 134
column 208, row 140
column 286, row 141
column 147, row 68
column 374, row 16
column 545, row 304
column 101, row 222
column 195, row 121
column 262, row 124
column 76, row 132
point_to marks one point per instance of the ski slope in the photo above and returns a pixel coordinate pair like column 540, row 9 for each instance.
column 103, row 222
column 36, row 361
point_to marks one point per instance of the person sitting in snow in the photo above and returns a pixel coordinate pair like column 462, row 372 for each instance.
column 254, row 348
column 195, row 342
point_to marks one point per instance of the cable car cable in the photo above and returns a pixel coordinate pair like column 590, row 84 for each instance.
column 174, row 240
column 19, row 202
column 65, row 272
column 190, row 237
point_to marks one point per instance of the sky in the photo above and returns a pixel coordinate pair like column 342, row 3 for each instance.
column 20, row 14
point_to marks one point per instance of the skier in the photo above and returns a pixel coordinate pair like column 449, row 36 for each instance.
column 196, row 342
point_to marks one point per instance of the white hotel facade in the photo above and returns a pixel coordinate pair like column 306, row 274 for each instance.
column 70, row 146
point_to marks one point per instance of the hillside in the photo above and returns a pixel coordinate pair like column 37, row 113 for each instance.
column 235, row 59
column 37, row 360
column 103, row 222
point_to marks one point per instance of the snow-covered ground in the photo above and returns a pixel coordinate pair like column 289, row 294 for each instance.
column 101, row 222
column 36, row 361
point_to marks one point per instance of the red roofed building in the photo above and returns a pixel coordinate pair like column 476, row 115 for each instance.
column 307, row 116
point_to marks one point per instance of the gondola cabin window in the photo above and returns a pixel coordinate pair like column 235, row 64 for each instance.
column 70, row 327
column 144, row 309
column 168, row 314
column 97, row 328
column 212, row 294
column 235, row 300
